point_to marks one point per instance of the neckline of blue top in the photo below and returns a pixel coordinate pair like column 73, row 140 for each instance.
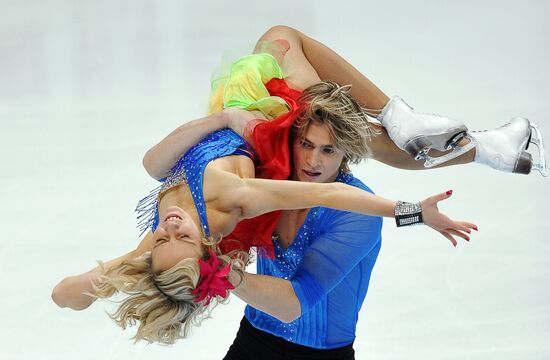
column 189, row 169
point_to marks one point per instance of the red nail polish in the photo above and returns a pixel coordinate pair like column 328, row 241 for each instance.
column 475, row 228
column 449, row 192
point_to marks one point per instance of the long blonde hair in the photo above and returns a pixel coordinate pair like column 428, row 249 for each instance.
column 162, row 304
column 329, row 103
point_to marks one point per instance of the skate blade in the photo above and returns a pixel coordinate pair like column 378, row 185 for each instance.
column 536, row 138
column 419, row 147
column 456, row 152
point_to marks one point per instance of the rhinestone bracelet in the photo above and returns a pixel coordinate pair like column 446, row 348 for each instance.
column 407, row 213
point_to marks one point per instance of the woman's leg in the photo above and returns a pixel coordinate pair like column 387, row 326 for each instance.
column 285, row 44
column 312, row 61
column 384, row 150
column 331, row 66
column 502, row 149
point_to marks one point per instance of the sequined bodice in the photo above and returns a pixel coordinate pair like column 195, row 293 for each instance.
column 190, row 170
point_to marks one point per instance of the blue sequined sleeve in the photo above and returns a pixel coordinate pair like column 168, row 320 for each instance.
column 344, row 239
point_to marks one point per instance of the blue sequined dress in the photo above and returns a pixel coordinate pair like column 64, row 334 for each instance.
column 190, row 170
column 254, row 82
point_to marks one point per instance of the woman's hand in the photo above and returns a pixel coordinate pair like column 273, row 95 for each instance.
column 71, row 291
column 242, row 121
column 441, row 222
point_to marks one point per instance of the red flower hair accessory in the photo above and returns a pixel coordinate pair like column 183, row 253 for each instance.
column 213, row 281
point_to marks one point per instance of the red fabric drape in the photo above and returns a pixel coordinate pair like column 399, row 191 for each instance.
column 270, row 142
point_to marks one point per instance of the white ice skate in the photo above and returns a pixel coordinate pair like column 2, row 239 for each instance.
column 417, row 133
column 505, row 148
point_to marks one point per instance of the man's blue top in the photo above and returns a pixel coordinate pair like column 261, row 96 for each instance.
column 329, row 264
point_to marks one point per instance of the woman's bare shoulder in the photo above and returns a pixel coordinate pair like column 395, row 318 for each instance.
column 223, row 178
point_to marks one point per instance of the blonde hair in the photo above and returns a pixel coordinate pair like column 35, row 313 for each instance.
column 162, row 304
column 331, row 104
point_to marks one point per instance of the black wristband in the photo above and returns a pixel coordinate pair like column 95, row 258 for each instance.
column 408, row 213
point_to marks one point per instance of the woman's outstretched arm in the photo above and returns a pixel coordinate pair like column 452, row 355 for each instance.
column 259, row 196
column 71, row 291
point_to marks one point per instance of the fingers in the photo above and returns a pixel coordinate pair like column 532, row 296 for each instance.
column 469, row 225
column 433, row 200
column 448, row 236
column 442, row 196
column 464, row 226
column 459, row 226
column 449, row 228
column 451, row 233
column 458, row 233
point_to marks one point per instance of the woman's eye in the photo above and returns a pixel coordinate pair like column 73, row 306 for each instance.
column 328, row 151
column 160, row 241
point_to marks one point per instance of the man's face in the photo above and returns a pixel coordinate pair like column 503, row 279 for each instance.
column 315, row 156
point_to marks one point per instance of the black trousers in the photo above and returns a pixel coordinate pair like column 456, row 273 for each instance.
column 251, row 343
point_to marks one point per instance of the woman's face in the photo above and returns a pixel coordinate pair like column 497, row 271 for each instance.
column 177, row 237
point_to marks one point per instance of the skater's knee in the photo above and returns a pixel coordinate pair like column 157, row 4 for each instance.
column 281, row 32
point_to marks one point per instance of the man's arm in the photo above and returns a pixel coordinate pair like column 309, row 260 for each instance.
column 272, row 295
column 345, row 240
column 348, row 239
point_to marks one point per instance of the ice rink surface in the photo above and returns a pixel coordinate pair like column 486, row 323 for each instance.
column 86, row 87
